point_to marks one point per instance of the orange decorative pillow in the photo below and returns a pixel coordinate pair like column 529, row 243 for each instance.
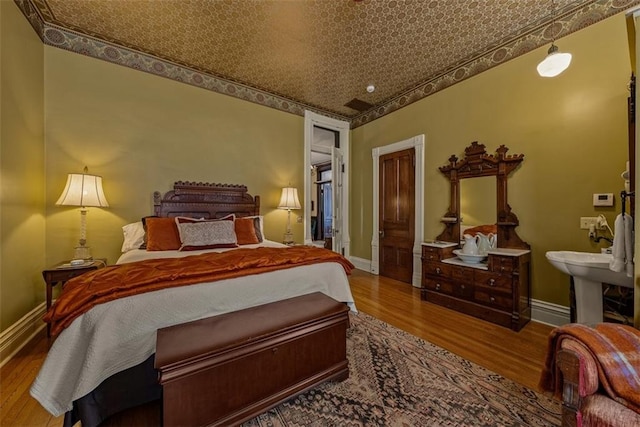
column 246, row 231
column 162, row 234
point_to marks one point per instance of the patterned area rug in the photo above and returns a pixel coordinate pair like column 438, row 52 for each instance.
column 397, row 379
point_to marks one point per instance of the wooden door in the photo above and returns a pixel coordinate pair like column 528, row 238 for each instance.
column 396, row 226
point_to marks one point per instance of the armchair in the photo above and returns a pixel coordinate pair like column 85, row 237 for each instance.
column 596, row 373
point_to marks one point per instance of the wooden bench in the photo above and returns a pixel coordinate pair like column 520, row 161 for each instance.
column 227, row 369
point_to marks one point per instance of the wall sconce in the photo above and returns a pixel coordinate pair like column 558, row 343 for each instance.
column 289, row 200
column 83, row 190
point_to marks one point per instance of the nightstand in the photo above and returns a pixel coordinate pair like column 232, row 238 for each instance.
column 64, row 271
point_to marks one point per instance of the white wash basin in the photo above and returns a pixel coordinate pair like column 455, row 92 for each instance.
column 590, row 266
column 589, row 272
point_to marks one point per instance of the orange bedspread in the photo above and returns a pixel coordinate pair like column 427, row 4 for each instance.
column 616, row 350
column 84, row 292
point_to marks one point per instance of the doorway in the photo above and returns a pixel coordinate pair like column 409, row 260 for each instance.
column 326, row 182
column 417, row 143
column 322, row 186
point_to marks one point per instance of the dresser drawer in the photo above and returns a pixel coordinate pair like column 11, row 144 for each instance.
column 463, row 290
column 436, row 268
column 493, row 299
column 493, row 280
column 431, row 254
column 502, row 264
column 442, row 286
column 464, row 274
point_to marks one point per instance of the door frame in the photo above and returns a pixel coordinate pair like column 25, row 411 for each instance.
column 312, row 119
column 417, row 143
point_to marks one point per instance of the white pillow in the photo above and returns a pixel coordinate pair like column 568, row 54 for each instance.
column 133, row 236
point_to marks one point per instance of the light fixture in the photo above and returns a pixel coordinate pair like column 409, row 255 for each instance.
column 371, row 88
column 555, row 62
column 83, row 190
column 289, row 200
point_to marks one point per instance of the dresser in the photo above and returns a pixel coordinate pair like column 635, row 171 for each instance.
column 497, row 290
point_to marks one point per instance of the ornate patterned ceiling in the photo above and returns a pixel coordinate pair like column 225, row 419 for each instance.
column 313, row 54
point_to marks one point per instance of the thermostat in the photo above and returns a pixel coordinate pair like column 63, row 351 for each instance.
column 603, row 199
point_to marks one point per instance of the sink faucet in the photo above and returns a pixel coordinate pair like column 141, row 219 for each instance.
column 597, row 239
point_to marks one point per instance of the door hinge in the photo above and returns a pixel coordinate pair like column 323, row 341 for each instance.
column 342, row 251
column 343, row 168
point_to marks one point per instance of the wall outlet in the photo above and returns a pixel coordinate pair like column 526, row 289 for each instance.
column 587, row 221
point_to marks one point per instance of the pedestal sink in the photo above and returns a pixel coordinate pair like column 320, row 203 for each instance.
column 589, row 271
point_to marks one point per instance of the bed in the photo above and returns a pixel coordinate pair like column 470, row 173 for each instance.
column 102, row 362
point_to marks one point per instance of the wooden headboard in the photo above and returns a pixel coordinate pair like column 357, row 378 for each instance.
column 205, row 200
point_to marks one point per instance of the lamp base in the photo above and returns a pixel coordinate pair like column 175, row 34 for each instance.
column 82, row 252
column 288, row 239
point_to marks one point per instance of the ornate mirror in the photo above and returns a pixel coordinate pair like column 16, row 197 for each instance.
column 484, row 190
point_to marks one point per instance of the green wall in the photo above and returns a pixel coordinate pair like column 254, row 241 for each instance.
column 22, row 224
column 142, row 133
column 572, row 130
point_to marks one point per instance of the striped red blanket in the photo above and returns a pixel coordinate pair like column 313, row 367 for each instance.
column 616, row 350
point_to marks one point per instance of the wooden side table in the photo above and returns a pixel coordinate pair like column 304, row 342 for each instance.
column 64, row 271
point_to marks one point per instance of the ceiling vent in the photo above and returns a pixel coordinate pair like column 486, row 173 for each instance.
column 359, row 105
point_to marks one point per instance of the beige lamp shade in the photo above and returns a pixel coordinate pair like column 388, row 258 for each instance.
column 83, row 190
column 289, row 199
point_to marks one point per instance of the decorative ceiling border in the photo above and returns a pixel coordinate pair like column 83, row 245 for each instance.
column 568, row 21
column 56, row 36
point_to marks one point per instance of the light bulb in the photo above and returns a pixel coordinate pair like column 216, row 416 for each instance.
column 555, row 62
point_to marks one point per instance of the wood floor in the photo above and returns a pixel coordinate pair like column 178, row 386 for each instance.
column 515, row 355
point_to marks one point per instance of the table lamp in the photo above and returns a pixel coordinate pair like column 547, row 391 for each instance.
column 83, row 190
column 289, row 200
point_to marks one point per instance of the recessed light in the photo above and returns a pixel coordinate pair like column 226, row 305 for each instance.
column 371, row 88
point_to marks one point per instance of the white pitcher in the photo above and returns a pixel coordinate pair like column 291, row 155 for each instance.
column 486, row 243
column 470, row 244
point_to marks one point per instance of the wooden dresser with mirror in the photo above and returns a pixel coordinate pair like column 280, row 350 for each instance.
column 498, row 289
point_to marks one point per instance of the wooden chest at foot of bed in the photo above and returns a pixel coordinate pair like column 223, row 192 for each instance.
column 226, row 369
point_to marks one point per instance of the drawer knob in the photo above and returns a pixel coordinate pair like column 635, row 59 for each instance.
column 462, row 287
column 492, row 282
column 438, row 271
column 430, row 256
column 492, row 299
column 274, row 350
column 437, row 286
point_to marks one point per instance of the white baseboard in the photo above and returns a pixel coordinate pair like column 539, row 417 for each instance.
column 20, row 333
column 549, row 313
column 361, row 263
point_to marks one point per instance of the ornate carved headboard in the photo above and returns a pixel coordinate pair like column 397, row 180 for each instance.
column 205, row 200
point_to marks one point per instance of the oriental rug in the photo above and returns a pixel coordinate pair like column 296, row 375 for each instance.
column 397, row 379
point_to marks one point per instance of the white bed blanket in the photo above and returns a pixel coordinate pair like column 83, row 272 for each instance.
column 120, row 334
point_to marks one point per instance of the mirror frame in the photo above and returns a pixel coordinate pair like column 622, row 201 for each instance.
column 477, row 163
